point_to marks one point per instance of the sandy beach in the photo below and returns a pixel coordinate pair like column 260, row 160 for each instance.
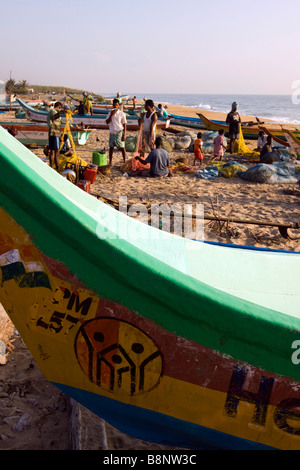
column 33, row 413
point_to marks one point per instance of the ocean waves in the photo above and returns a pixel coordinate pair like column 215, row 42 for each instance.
column 278, row 108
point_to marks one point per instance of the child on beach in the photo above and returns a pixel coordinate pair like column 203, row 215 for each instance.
column 198, row 155
column 219, row 146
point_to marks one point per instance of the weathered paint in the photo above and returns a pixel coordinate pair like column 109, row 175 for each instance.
column 90, row 345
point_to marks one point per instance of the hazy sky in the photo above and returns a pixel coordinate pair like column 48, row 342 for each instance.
column 157, row 46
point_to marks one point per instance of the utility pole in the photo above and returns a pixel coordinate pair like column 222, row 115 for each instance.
column 10, row 88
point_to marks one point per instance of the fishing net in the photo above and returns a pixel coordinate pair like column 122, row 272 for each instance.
column 227, row 170
column 277, row 172
column 232, row 169
column 241, row 148
column 74, row 159
column 130, row 144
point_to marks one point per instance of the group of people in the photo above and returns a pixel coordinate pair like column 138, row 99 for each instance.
column 264, row 142
column 233, row 119
column 158, row 158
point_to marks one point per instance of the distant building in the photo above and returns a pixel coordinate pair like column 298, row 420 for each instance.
column 3, row 95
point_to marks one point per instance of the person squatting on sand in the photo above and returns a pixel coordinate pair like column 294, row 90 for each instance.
column 233, row 119
column 54, row 123
column 117, row 122
column 266, row 154
column 261, row 141
column 158, row 159
column 147, row 124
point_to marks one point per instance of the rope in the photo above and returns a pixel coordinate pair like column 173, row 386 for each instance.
column 67, row 131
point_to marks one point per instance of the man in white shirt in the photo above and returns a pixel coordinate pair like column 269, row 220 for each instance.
column 116, row 121
column 261, row 141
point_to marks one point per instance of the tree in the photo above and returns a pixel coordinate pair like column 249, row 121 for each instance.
column 9, row 85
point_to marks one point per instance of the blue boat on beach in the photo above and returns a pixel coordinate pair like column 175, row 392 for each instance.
column 186, row 121
column 97, row 121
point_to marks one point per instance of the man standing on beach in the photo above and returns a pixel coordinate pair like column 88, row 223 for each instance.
column 234, row 120
column 148, row 122
column 116, row 121
column 54, row 123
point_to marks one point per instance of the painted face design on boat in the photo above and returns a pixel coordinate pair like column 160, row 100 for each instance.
column 118, row 357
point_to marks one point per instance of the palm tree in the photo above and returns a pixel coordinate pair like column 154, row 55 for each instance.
column 9, row 85
column 23, row 84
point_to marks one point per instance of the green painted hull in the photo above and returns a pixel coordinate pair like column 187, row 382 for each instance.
column 256, row 313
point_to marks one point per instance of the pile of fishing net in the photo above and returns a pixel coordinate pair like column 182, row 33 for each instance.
column 207, row 173
column 232, row 169
column 182, row 167
column 134, row 165
column 130, row 143
column 181, row 140
column 277, row 172
column 241, row 148
column 215, row 169
column 64, row 161
column 283, row 154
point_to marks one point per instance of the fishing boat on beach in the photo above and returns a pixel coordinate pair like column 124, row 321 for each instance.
column 38, row 133
column 95, row 121
column 187, row 121
column 151, row 331
column 250, row 131
column 14, row 105
column 105, row 107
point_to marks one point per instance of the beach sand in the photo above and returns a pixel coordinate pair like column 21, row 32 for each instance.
column 24, row 392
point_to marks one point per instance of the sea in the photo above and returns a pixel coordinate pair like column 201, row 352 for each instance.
column 283, row 109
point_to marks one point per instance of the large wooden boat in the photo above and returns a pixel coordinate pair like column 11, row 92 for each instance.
column 189, row 121
column 38, row 133
column 14, row 105
column 170, row 339
column 105, row 107
column 249, row 132
column 95, row 122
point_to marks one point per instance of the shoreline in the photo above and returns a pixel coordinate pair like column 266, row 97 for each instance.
column 186, row 111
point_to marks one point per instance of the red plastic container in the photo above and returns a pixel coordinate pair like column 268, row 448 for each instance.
column 90, row 172
column 84, row 185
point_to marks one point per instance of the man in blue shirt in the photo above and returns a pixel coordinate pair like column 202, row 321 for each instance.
column 159, row 161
